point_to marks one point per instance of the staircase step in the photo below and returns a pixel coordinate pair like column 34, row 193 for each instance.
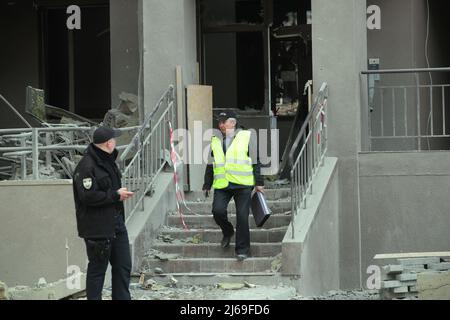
column 214, row 250
column 207, row 221
column 223, row 265
column 270, row 194
column 213, row 278
column 215, row 235
column 206, row 207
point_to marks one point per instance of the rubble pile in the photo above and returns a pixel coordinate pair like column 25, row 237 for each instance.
column 400, row 280
column 61, row 163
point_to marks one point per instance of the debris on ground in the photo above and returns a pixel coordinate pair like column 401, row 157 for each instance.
column 249, row 285
column 3, row 291
column 276, row 263
column 230, row 286
column 41, row 283
column 158, row 270
column 173, row 281
column 344, row 295
column 148, row 284
column 197, row 239
column 400, row 280
column 141, row 279
column 166, row 256
column 165, row 238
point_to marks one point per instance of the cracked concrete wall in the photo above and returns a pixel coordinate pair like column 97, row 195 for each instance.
column 36, row 219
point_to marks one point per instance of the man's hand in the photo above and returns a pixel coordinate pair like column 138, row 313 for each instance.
column 206, row 193
column 259, row 189
column 124, row 194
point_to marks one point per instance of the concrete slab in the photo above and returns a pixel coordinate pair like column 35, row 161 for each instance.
column 434, row 285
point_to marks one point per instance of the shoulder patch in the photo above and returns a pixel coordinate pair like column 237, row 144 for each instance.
column 87, row 183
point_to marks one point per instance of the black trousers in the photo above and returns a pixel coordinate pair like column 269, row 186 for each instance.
column 242, row 198
column 115, row 251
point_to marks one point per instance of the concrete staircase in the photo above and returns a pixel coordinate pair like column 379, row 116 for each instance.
column 196, row 253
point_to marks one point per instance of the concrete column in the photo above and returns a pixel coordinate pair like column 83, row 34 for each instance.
column 169, row 39
column 339, row 54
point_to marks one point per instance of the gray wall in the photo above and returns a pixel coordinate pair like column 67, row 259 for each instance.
column 143, row 226
column 36, row 219
column 19, row 57
column 124, row 48
column 404, row 203
column 320, row 254
column 342, row 24
column 167, row 45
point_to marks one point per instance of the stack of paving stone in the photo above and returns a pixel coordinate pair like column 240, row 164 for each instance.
column 399, row 281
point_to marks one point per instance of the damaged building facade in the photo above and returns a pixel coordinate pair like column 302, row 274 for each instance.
column 386, row 173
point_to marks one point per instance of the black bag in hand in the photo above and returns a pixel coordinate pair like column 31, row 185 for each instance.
column 260, row 209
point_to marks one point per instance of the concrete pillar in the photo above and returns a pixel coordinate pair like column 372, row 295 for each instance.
column 169, row 39
column 339, row 54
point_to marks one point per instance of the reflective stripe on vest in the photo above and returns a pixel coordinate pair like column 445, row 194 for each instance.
column 236, row 166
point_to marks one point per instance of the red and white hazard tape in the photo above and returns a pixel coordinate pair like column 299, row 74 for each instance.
column 174, row 156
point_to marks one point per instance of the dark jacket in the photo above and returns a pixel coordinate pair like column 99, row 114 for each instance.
column 253, row 150
column 97, row 203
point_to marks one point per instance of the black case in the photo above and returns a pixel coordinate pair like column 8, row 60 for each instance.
column 260, row 209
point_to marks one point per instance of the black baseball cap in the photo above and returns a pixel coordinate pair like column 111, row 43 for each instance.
column 103, row 134
column 225, row 115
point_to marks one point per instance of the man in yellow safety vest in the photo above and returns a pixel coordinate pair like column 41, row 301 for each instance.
column 233, row 171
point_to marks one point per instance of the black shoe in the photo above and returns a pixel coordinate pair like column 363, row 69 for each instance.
column 226, row 241
column 242, row 257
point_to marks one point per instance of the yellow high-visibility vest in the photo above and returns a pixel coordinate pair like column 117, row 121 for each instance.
column 236, row 165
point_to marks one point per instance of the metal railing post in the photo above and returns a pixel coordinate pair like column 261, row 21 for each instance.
column 35, row 153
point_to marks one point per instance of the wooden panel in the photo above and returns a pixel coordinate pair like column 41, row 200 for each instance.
column 199, row 108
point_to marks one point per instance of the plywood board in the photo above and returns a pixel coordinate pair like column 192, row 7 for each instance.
column 199, row 113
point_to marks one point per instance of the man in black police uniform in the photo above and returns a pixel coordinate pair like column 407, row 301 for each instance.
column 99, row 197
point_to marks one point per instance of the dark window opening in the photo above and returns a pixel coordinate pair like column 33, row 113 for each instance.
column 222, row 13
column 256, row 54
column 235, row 68
column 76, row 63
column 250, row 67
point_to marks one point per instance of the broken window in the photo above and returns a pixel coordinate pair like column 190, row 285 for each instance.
column 256, row 54
column 292, row 56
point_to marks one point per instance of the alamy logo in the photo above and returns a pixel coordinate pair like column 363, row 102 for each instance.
column 374, row 20
column 74, row 20
column 73, row 280
column 374, row 280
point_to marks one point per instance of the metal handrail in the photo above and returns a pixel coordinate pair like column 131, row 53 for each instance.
column 140, row 173
column 417, row 70
column 311, row 155
column 147, row 123
column 397, row 112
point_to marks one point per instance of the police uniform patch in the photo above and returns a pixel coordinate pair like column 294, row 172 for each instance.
column 87, row 183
